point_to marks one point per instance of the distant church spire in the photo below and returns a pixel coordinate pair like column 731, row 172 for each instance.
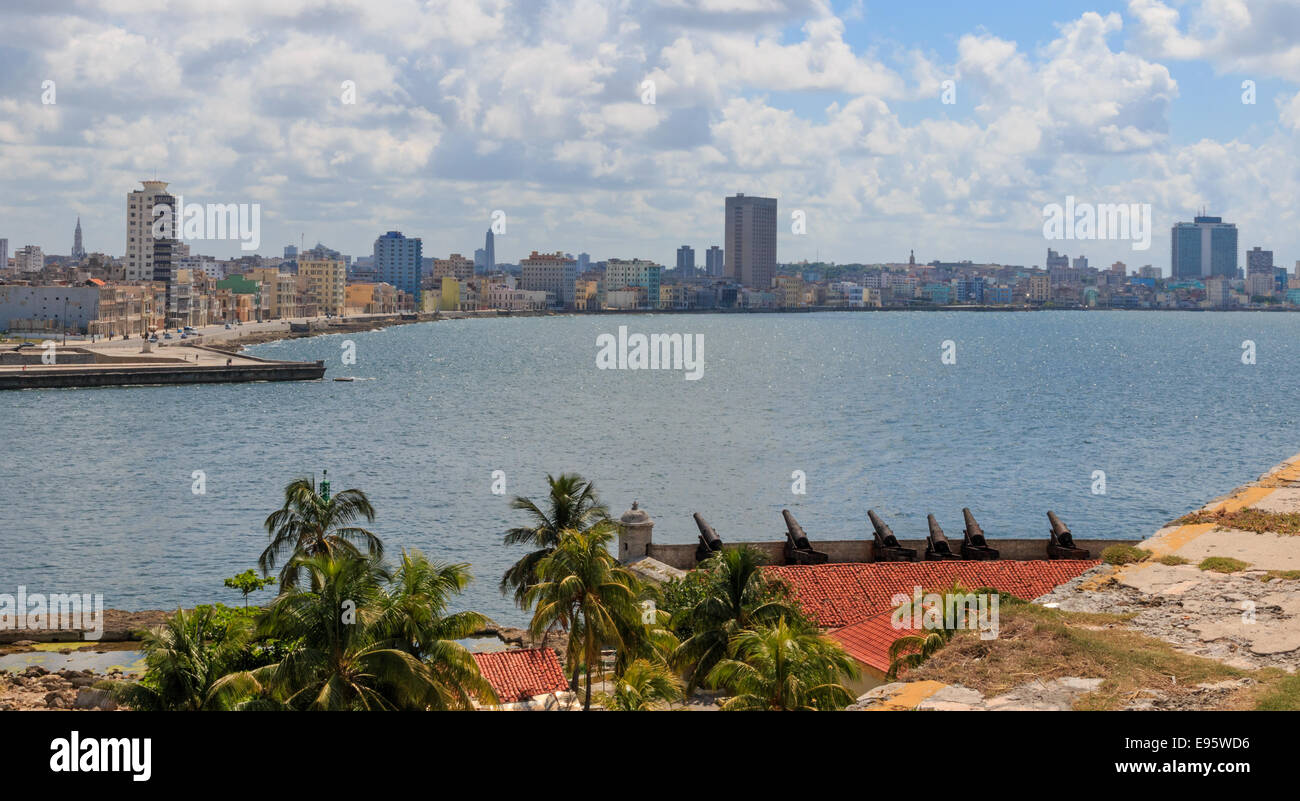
column 911, row 257
column 78, row 252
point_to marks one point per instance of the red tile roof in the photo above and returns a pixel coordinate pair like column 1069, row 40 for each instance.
column 869, row 639
column 518, row 675
column 843, row 593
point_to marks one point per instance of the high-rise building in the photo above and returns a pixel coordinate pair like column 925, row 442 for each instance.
column 1259, row 261
column 325, row 282
column 1056, row 260
column 1201, row 248
column 78, row 252
column 290, row 252
column 4, row 253
column 489, row 252
column 685, row 261
column 139, row 228
column 713, row 262
column 480, row 260
column 750, row 240
column 550, row 272
column 29, row 259
column 398, row 261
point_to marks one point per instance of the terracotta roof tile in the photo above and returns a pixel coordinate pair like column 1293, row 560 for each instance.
column 842, row 593
column 869, row 639
column 519, row 674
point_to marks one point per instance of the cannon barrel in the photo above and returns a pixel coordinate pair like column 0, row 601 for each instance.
column 935, row 530
column 794, row 532
column 708, row 536
column 1058, row 528
column 973, row 529
column 881, row 528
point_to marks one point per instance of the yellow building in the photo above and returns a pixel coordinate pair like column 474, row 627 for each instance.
column 324, row 284
column 279, row 292
column 587, row 296
column 789, row 291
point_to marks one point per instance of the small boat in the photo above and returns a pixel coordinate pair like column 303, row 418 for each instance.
column 345, row 378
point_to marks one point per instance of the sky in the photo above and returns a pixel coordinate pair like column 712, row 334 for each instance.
column 538, row 110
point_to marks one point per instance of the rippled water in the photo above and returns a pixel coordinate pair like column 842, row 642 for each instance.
column 98, row 482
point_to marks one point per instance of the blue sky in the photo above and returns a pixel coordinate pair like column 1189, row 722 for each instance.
column 469, row 106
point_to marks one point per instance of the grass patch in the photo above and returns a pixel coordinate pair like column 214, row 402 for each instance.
column 1124, row 555
column 1282, row 695
column 1287, row 523
column 1282, row 575
column 1223, row 564
column 1173, row 560
column 1046, row 644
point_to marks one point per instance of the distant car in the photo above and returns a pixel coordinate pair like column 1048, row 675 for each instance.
column 22, row 345
column 167, row 335
column 227, row 326
column 185, row 336
column 153, row 338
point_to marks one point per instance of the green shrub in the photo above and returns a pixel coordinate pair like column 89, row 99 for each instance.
column 1223, row 564
column 1124, row 555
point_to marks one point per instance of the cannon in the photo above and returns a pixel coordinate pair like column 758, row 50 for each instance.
column 710, row 542
column 1061, row 545
column 798, row 550
column 974, row 545
column 886, row 547
column 936, row 544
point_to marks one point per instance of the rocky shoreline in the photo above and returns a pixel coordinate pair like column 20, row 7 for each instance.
column 36, row 688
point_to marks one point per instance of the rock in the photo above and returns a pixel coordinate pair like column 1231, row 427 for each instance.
column 88, row 698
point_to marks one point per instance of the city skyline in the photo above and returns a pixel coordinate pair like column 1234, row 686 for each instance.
column 835, row 109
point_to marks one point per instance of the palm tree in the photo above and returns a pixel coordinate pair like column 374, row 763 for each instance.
column 736, row 596
column 642, row 686
column 911, row 650
column 312, row 523
column 582, row 589
column 572, row 505
column 356, row 645
column 784, row 667
column 185, row 658
column 415, row 616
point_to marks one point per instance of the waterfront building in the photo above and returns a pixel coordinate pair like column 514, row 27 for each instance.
column 750, row 239
column 1260, row 285
column 584, row 262
column 1040, row 288
column 586, row 295
column 4, row 254
column 789, row 291
column 398, row 261
column 140, row 249
column 47, row 309
column 1056, row 261
column 78, row 252
column 323, row 283
column 1204, row 247
column 550, row 272
column 279, row 292
column 628, row 273
column 1218, row 292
